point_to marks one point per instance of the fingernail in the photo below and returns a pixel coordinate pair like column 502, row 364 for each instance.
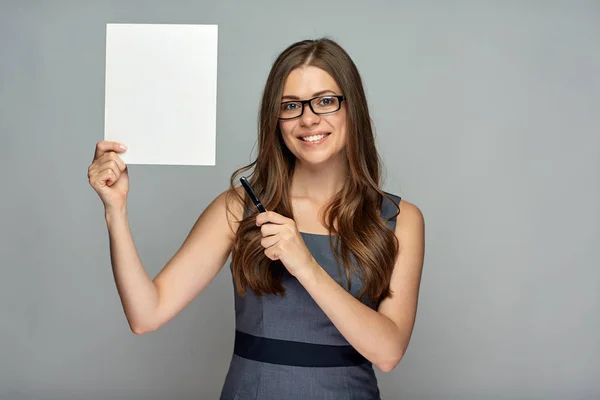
column 122, row 146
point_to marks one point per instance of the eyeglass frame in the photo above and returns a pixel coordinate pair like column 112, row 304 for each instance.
column 340, row 98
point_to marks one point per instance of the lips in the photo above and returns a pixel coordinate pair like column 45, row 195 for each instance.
column 314, row 137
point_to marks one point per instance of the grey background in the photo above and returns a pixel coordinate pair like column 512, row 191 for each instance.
column 487, row 116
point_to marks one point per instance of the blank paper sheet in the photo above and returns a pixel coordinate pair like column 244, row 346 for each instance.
column 161, row 92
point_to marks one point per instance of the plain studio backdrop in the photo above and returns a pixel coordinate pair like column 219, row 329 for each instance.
column 487, row 116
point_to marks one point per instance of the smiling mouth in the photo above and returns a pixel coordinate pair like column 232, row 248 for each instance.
column 314, row 138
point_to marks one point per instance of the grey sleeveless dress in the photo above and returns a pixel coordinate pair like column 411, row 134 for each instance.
column 286, row 348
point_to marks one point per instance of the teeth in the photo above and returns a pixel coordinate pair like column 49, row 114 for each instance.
column 313, row 138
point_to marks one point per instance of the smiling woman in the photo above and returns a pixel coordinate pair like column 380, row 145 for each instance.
column 314, row 136
column 327, row 279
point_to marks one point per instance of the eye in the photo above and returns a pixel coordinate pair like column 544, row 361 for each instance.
column 326, row 101
column 289, row 106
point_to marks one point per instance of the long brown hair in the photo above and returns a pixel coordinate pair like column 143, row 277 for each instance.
column 353, row 215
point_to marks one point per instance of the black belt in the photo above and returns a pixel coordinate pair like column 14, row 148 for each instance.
column 287, row 352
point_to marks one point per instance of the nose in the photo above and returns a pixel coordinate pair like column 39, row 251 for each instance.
column 308, row 117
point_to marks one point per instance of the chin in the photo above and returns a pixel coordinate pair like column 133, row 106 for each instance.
column 319, row 159
column 313, row 162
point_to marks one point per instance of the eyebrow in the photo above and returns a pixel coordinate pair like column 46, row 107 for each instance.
column 322, row 92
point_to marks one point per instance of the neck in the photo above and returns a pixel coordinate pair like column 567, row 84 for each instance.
column 318, row 182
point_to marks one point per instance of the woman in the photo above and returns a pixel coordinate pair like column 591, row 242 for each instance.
column 327, row 280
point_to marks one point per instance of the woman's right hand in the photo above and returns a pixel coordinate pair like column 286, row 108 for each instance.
column 108, row 175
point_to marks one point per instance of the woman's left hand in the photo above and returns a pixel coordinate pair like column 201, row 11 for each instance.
column 282, row 241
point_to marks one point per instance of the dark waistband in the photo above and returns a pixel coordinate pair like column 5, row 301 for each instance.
column 287, row 352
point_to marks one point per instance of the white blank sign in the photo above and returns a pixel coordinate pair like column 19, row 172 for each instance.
column 161, row 92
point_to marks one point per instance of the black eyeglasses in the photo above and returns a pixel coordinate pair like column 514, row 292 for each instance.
column 319, row 105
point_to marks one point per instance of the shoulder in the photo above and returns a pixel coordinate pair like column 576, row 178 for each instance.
column 406, row 216
column 410, row 222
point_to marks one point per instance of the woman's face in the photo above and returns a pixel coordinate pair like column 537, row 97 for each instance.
column 313, row 138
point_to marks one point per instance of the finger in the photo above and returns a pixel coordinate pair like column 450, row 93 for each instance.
column 109, row 164
column 97, row 166
column 273, row 217
column 104, row 146
column 107, row 177
column 269, row 241
column 269, row 229
column 272, row 253
column 112, row 157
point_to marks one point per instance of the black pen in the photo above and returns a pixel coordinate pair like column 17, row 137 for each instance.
column 252, row 195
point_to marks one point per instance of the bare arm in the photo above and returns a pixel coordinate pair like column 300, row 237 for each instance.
column 381, row 336
column 149, row 304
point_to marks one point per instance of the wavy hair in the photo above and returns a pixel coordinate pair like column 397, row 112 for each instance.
column 352, row 217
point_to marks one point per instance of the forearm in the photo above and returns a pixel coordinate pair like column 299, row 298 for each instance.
column 371, row 333
column 137, row 291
